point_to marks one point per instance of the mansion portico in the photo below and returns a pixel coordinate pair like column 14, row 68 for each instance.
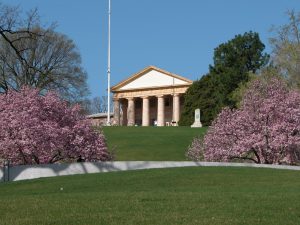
column 150, row 97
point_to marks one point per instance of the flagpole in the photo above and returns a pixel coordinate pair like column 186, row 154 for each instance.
column 108, row 67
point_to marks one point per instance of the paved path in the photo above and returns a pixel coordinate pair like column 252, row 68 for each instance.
column 52, row 170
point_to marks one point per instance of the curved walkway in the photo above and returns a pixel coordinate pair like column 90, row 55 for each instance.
column 51, row 170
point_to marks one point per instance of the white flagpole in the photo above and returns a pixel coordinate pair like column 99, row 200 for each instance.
column 108, row 67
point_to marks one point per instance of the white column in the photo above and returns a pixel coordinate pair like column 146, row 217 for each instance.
column 130, row 112
column 176, row 108
column 116, row 111
column 146, row 112
column 160, row 111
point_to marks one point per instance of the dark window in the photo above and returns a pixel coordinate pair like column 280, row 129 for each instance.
column 167, row 101
column 181, row 100
column 152, row 102
column 138, row 104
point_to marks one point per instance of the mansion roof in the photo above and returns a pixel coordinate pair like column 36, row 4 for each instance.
column 151, row 77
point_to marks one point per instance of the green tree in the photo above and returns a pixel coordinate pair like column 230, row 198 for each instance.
column 286, row 49
column 206, row 95
column 233, row 61
column 264, row 76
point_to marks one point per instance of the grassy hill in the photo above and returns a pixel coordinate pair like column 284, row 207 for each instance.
column 151, row 143
column 195, row 195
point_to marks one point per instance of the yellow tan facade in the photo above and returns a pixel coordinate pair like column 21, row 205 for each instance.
column 150, row 97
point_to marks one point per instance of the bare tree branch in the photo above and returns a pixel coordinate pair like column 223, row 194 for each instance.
column 35, row 55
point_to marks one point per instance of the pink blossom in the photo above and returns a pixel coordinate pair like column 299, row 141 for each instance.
column 195, row 151
column 39, row 129
column 266, row 129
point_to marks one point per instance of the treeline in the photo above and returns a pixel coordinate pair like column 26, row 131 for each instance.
column 236, row 62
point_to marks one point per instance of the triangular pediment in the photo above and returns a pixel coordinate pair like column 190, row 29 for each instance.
column 151, row 77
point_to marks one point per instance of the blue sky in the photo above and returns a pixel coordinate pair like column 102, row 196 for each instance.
column 176, row 35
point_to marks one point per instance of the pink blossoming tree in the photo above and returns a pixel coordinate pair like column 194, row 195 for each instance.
column 37, row 129
column 266, row 129
column 195, row 151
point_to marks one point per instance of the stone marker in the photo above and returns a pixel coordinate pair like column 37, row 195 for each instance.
column 197, row 122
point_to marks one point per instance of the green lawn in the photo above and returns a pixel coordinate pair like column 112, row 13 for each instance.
column 203, row 195
column 151, row 143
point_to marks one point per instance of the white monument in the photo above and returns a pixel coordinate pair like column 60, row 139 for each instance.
column 197, row 122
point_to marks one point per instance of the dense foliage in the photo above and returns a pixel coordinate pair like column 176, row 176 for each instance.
column 233, row 61
column 39, row 129
column 264, row 130
column 203, row 94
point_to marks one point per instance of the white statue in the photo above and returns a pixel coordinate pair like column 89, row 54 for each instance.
column 197, row 122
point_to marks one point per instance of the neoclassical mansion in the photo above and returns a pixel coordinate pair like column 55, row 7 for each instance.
column 152, row 96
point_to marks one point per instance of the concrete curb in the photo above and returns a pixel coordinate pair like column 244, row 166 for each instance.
column 25, row 172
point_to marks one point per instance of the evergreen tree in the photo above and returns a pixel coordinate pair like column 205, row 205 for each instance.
column 206, row 94
column 233, row 61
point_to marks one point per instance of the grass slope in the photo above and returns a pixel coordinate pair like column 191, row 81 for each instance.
column 203, row 195
column 151, row 143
